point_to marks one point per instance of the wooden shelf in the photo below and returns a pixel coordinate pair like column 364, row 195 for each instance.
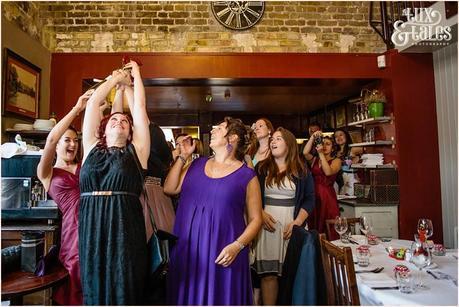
column 29, row 133
column 384, row 166
column 371, row 120
column 375, row 143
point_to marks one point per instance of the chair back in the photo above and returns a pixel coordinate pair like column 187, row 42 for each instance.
column 339, row 274
column 351, row 221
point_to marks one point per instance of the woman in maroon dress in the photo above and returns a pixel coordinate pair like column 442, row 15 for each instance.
column 61, row 181
column 324, row 169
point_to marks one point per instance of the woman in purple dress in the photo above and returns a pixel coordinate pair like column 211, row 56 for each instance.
column 209, row 264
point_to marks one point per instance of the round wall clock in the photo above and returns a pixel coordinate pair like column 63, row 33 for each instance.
column 238, row 15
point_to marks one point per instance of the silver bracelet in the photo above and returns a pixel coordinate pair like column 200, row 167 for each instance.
column 241, row 246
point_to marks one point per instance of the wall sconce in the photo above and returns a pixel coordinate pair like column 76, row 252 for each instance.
column 227, row 94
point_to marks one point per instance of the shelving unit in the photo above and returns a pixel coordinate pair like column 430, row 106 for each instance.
column 384, row 166
column 374, row 143
column 372, row 120
column 28, row 133
column 32, row 137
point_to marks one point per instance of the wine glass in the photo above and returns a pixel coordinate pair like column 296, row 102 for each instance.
column 425, row 227
column 421, row 258
column 365, row 224
column 341, row 226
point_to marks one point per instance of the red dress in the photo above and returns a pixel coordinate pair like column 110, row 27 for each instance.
column 326, row 201
column 65, row 190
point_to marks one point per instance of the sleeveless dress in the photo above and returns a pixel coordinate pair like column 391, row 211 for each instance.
column 113, row 250
column 326, row 201
column 271, row 247
column 210, row 216
column 65, row 191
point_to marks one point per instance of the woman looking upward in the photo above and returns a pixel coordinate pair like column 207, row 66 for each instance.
column 113, row 251
column 209, row 264
column 259, row 149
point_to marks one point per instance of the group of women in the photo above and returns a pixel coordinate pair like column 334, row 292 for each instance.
column 247, row 196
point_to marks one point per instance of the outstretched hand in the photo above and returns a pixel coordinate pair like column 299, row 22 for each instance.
column 121, row 77
column 83, row 99
column 135, row 71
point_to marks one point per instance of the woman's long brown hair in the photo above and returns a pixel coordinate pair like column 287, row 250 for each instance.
column 295, row 168
column 253, row 147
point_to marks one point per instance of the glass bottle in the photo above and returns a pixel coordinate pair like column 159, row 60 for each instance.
column 53, row 118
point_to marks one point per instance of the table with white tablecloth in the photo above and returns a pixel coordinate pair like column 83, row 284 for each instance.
column 439, row 292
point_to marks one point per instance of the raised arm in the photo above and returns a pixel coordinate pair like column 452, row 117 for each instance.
column 141, row 132
column 129, row 95
column 329, row 169
column 45, row 166
column 309, row 145
column 174, row 179
column 117, row 105
column 92, row 115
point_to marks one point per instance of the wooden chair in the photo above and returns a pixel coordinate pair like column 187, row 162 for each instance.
column 339, row 274
column 351, row 221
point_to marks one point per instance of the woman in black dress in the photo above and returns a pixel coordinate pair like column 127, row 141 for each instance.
column 112, row 246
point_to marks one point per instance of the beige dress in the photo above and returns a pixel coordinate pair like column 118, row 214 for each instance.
column 270, row 247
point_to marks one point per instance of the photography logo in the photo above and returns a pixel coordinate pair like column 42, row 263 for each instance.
column 422, row 26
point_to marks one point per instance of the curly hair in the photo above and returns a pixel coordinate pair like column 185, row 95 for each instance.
column 103, row 125
column 295, row 167
column 236, row 127
column 335, row 148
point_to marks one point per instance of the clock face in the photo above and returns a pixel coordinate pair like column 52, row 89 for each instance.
column 238, row 15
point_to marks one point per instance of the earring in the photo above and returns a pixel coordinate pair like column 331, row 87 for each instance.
column 229, row 148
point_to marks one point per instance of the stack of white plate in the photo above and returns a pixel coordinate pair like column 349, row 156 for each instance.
column 43, row 124
column 23, row 127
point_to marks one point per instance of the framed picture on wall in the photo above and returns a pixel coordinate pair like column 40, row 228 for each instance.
column 340, row 113
column 21, row 86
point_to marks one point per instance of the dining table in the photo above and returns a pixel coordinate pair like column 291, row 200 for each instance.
column 439, row 278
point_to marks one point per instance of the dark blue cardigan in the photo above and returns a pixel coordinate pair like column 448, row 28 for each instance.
column 304, row 192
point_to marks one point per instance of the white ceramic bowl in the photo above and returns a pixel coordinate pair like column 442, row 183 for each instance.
column 43, row 124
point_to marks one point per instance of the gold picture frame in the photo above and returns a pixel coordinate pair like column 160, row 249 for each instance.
column 21, row 86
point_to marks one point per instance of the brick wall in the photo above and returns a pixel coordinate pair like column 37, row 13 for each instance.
column 170, row 26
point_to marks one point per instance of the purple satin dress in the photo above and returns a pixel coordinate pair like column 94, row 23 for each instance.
column 210, row 216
